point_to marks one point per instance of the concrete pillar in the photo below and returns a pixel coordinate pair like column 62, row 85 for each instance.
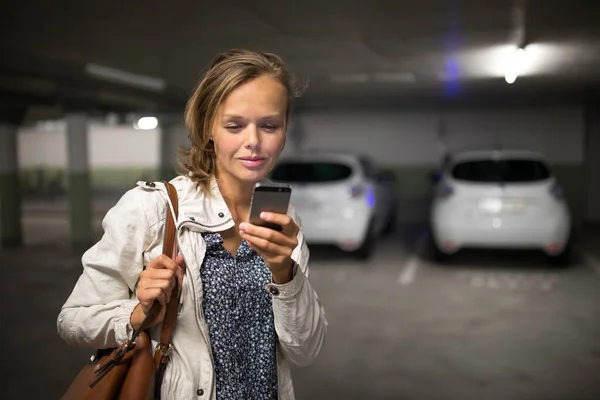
column 10, row 197
column 592, row 160
column 79, row 191
column 169, row 128
column 11, row 233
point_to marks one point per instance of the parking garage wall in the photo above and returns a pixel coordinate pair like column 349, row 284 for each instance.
column 412, row 144
column 119, row 156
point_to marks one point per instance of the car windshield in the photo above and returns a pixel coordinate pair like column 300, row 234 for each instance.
column 505, row 170
column 310, row 172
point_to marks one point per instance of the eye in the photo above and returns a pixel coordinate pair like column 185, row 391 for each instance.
column 233, row 128
column 270, row 127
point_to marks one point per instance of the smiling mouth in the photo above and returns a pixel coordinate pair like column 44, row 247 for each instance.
column 253, row 162
column 252, row 158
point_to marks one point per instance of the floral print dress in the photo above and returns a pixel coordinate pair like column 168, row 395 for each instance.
column 239, row 314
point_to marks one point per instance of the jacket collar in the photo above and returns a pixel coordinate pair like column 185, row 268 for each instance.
column 204, row 211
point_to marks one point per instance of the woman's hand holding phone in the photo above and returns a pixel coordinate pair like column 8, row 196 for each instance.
column 275, row 247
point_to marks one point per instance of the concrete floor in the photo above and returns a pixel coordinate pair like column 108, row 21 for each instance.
column 489, row 326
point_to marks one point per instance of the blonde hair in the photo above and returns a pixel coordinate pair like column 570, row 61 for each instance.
column 226, row 72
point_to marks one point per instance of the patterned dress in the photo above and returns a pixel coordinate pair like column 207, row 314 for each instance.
column 239, row 315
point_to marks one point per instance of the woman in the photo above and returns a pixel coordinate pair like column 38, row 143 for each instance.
column 247, row 308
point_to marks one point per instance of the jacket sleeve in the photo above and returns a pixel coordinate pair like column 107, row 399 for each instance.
column 97, row 313
column 300, row 320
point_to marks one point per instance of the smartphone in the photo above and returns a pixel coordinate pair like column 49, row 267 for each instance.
column 272, row 197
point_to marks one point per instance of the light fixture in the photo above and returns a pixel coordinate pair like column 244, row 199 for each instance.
column 394, row 77
column 350, row 78
column 127, row 78
column 146, row 123
column 514, row 65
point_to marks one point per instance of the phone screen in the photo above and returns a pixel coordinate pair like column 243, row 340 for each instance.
column 269, row 197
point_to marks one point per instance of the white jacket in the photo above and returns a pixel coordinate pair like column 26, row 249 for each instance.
column 97, row 313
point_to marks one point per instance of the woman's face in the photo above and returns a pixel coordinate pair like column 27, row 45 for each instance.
column 249, row 130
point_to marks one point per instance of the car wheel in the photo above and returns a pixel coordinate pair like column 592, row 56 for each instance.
column 390, row 225
column 561, row 260
column 368, row 245
column 438, row 255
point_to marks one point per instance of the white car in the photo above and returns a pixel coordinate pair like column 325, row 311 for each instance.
column 342, row 199
column 499, row 199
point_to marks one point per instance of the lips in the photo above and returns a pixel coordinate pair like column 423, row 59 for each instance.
column 253, row 162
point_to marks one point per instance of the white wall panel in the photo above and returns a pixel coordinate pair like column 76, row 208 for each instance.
column 45, row 149
column 108, row 146
column 556, row 132
column 391, row 138
column 404, row 138
column 122, row 146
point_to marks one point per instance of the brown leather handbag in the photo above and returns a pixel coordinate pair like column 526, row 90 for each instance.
column 130, row 371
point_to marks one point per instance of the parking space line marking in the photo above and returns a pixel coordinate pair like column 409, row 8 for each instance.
column 408, row 274
column 593, row 262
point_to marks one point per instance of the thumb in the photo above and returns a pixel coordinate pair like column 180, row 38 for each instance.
column 180, row 261
column 181, row 270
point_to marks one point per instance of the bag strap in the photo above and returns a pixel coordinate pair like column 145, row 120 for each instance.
column 161, row 355
column 169, row 249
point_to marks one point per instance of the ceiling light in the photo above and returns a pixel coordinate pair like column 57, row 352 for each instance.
column 394, row 77
column 350, row 78
column 377, row 77
column 514, row 65
column 127, row 78
column 146, row 123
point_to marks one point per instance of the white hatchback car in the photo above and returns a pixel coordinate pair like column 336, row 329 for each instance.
column 499, row 199
column 342, row 199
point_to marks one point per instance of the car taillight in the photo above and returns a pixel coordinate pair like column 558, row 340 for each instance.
column 368, row 192
column 356, row 191
column 444, row 191
column 557, row 191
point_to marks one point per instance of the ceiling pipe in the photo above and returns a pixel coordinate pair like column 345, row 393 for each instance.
column 518, row 23
column 518, row 36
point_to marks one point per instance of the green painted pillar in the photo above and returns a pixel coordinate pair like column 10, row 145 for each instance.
column 168, row 147
column 11, row 232
column 592, row 162
column 79, row 192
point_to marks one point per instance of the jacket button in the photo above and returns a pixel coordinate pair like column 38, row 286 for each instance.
column 151, row 184
column 274, row 291
column 200, row 392
column 221, row 215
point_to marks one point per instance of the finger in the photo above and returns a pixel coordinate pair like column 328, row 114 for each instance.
column 268, row 234
column 265, row 254
column 158, row 274
column 264, row 245
column 284, row 220
column 180, row 261
column 180, row 268
column 152, row 294
column 162, row 262
column 165, row 286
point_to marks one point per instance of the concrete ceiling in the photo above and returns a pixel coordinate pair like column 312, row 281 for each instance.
column 348, row 51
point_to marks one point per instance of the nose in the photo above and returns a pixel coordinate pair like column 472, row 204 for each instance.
column 252, row 137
